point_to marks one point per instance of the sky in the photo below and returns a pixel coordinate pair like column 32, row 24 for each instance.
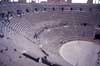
column 73, row 1
column 84, row 1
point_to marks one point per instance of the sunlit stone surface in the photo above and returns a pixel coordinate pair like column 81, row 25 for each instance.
column 80, row 53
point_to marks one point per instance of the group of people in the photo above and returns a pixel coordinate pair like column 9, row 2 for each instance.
column 4, row 18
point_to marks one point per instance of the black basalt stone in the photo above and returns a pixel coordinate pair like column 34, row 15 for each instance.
column 1, row 51
column 1, row 35
column 97, row 36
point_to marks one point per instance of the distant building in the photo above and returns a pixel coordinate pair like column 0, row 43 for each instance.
column 5, row 0
column 56, row 1
column 90, row 1
column 22, row 1
column 69, row 1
